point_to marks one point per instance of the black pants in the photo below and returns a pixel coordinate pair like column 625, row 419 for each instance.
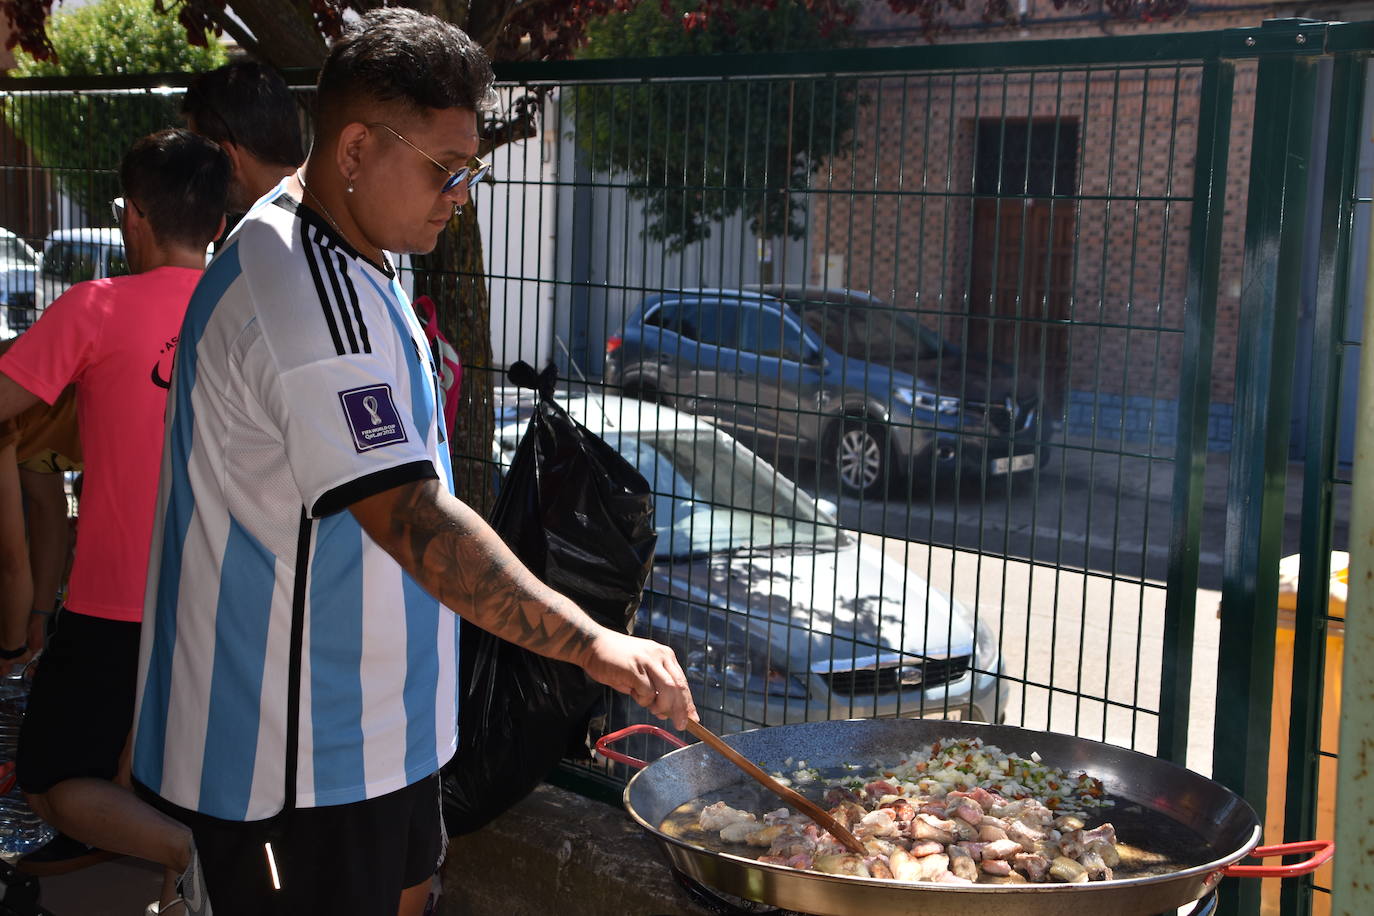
column 82, row 704
column 344, row 860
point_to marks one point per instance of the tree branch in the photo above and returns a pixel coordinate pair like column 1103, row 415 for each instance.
column 285, row 31
column 522, row 125
column 513, row 10
column 236, row 31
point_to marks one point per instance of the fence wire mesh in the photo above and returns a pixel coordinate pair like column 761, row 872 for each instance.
column 933, row 369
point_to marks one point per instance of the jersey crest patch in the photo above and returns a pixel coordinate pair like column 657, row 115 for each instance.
column 372, row 417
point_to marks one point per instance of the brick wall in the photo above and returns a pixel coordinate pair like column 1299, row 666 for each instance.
column 897, row 213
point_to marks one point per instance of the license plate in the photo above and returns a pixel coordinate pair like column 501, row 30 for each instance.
column 1013, row 463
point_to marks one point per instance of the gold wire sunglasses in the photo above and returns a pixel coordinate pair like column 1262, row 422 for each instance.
column 467, row 176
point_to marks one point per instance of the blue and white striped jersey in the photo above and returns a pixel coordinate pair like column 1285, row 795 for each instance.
column 303, row 383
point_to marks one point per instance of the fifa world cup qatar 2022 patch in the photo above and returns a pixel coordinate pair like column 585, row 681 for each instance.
column 372, row 417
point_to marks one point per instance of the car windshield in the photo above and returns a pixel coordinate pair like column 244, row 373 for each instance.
column 711, row 495
column 14, row 252
column 873, row 334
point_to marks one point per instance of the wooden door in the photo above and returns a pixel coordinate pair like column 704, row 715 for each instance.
column 1020, row 272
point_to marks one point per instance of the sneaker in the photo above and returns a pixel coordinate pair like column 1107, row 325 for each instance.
column 191, row 900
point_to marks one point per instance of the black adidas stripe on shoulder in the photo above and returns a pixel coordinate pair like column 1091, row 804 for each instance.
column 338, row 296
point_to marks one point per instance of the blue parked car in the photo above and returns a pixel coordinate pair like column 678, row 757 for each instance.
column 835, row 376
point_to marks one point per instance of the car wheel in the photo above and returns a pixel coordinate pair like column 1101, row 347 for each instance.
column 862, row 459
column 648, row 394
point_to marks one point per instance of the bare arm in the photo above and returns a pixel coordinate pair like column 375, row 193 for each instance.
column 460, row 560
column 16, row 584
column 48, row 542
column 14, row 398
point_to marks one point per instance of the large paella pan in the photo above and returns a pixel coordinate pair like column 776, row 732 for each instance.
column 1191, row 830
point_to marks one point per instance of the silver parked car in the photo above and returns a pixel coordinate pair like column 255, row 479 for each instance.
column 72, row 256
column 18, row 272
column 776, row 613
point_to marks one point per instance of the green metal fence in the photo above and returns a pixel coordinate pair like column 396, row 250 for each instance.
column 1048, row 306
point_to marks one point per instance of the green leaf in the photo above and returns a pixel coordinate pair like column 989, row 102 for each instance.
column 83, row 136
column 698, row 152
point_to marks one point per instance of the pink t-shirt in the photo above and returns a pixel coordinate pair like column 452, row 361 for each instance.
column 115, row 340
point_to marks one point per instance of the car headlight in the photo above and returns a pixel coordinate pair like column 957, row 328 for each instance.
column 985, row 650
column 924, row 400
column 739, row 668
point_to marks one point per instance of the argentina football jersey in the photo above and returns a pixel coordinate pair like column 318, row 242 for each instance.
column 303, row 383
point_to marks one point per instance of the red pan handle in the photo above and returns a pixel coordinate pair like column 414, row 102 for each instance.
column 602, row 744
column 1322, row 851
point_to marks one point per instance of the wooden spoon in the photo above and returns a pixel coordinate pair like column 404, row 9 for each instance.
column 795, row 799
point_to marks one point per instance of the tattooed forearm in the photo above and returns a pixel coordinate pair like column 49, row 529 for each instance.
column 451, row 551
column 530, row 623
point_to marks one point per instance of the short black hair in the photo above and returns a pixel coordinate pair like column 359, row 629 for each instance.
column 396, row 55
column 249, row 105
column 180, row 181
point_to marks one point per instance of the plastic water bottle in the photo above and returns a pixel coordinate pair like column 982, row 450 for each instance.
column 21, row 831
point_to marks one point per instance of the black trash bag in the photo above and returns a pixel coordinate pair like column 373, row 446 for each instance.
column 582, row 519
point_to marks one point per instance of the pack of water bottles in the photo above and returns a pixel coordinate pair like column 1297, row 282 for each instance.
column 21, row 831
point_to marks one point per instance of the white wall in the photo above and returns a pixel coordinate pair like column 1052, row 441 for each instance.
column 518, row 223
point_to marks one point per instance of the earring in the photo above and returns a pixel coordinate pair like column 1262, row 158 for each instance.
column 457, row 209
column 350, row 186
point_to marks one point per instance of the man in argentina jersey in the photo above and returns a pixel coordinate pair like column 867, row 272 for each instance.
column 298, row 671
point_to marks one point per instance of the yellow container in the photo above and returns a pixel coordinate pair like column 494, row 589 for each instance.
column 1282, row 716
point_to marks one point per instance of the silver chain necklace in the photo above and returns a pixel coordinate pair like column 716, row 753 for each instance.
column 323, row 209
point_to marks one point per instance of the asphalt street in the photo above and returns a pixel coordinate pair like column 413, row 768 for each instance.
column 1085, row 509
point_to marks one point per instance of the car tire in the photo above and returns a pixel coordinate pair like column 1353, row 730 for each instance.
column 862, row 457
column 648, row 394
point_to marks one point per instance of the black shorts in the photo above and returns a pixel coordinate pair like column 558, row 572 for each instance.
column 81, row 706
column 345, row 860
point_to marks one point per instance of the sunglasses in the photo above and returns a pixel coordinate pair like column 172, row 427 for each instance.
column 466, row 177
column 117, row 209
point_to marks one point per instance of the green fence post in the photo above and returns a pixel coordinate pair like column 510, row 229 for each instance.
column 1271, row 283
column 1204, row 265
column 1309, row 646
column 1352, row 893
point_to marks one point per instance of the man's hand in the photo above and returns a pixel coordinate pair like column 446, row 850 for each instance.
column 646, row 670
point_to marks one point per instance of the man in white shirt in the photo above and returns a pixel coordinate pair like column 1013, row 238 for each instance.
column 298, row 679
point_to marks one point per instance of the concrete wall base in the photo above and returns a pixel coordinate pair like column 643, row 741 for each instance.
column 559, row 853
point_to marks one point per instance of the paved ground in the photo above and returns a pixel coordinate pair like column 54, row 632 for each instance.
column 1084, row 509
column 119, row 887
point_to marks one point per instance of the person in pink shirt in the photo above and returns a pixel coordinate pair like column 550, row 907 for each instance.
column 115, row 340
